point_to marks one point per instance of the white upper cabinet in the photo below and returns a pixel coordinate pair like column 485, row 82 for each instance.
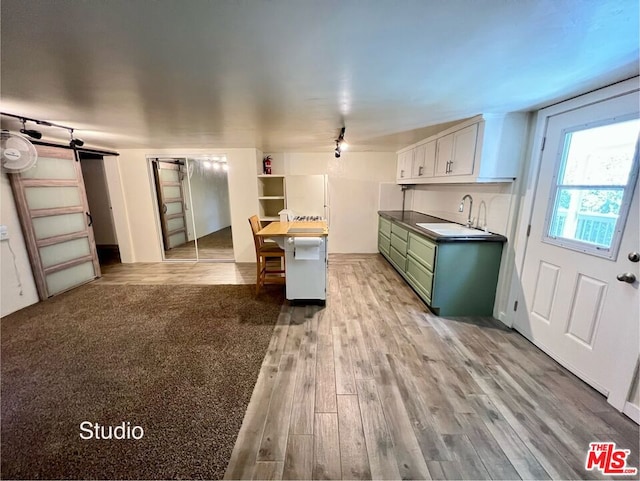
column 405, row 166
column 424, row 159
column 486, row 148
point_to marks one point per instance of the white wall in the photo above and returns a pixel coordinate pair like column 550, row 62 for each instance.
column 137, row 215
column 210, row 201
column 17, row 287
column 354, row 192
column 443, row 201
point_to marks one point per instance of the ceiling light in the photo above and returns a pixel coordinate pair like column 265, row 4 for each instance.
column 75, row 142
column 206, row 164
column 225, row 167
column 34, row 134
column 216, row 166
column 340, row 143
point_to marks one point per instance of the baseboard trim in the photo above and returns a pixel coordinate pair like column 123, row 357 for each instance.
column 632, row 411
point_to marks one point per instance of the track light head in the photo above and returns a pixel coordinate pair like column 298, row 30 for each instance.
column 73, row 143
column 340, row 143
column 34, row 134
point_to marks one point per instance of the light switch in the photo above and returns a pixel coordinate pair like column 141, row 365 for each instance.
column 4, row 233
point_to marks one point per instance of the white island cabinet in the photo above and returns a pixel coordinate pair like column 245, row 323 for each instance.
column 485, row 148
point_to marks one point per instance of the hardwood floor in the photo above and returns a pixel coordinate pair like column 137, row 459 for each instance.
column 178, row 273
column 373, row 386
column 214, row 246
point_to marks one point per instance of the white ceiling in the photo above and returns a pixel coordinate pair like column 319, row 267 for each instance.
column 286, row 74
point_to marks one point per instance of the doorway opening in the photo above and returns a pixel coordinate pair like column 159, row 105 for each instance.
column 104, row 231
column 192, row 196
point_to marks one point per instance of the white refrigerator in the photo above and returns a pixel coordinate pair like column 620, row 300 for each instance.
column 307, row 195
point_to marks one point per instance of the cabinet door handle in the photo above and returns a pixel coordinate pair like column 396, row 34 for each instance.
column 401, row 174
column 446, row 171
column 451, row 166
column 420, row 170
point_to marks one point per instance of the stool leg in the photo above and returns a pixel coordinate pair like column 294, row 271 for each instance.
column 258, row 273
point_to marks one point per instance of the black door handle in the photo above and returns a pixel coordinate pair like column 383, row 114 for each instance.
column 627, row 277
column 90, row 219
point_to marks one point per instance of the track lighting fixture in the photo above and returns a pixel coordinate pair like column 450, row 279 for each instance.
column 75, row 142
column 340, row 143
column 34, row 134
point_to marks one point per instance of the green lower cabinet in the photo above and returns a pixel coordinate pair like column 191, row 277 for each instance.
column 397, row 259
column 453, row 278
column 465, row 278
column 420, row 278
column 384, row 243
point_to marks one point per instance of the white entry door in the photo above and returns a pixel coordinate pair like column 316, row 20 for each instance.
column 579, row 277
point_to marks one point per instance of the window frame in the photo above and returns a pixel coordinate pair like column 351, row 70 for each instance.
column 610, row 253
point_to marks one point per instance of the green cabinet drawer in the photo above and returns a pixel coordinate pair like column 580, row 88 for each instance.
column 399, row 243
column 384, row 226
column 420, row 277
column 400, row 232
column 422, row 250
column 384, row 243
column 397, row 258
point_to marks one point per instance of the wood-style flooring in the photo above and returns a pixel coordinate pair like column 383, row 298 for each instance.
column 214, row 246
column 178, row 273
column 373, row 386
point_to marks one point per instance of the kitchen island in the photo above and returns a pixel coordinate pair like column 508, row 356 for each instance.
column 305, row 246
column 455, row 275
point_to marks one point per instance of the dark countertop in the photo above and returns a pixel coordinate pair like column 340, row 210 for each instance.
column 410, row 218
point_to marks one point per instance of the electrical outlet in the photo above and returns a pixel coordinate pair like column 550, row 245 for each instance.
column 4, row 233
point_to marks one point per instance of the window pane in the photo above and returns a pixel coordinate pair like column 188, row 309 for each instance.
column 171, row 192
column 73, row 276
column 51, row 197
column 586, row 215
column 169, row 175
column 52, row 168
column 173, row 208
column 64, row 251
column 59, row 225
column 601, row 155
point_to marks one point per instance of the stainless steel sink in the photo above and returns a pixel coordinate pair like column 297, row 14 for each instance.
column 450, row 229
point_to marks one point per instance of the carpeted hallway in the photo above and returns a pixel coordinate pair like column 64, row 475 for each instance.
column 179, row 361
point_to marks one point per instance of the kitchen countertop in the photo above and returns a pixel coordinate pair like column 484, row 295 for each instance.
column 410, row 218
column 295, row 229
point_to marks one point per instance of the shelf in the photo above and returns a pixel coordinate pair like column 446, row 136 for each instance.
column 268, row 176
column 271, row 197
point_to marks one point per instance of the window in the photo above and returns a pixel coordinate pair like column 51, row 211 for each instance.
column 594, row 182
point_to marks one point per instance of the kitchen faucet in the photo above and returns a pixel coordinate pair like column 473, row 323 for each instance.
column 461, row 208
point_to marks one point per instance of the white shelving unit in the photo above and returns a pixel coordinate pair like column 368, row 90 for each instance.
column 271, row 196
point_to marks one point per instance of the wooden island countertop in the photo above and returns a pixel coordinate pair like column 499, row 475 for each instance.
column 295, row 229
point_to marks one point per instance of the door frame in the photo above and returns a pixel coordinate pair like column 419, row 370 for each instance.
column 617, row 396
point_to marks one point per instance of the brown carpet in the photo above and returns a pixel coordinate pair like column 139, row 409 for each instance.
column 180, row 361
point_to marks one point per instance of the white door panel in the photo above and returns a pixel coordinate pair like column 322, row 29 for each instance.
column 575, row 307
